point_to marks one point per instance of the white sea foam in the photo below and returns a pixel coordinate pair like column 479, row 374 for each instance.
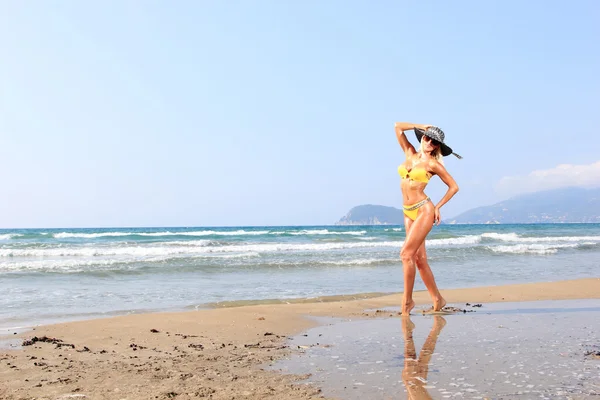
column 64, row 235
column 194, row 248
column 73, row 264
column 249, row 254
column 368, row 261
column 8, row 236
column 508, row 237
column 239, row 232
column 326, row 232
column 141, row 251
column 463, row 240
column 68, row 235
column 68, row 265
column 190, row 243
column 513, row 237
column 531, row 248
column 563, row 239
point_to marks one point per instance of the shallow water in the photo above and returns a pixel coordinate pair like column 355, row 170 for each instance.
column 499, row 351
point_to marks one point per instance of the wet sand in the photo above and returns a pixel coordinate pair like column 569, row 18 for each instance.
column 222, row 353
column 542, row 349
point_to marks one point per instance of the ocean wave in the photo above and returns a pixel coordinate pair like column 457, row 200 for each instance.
column 61, row 265
column 460, row 241
column 191, row 243
column 239, row 232
column 308, row 232
column 250, row 254
column 8, row 236
column 508, row 237
column 64, row 235
column 207, row 246
column 68, row 235
column 171, row 250
column 540, row 249
column 74, row 265
column 172, row 264
column 196, row 248
column 368, row 261
column 513, row 237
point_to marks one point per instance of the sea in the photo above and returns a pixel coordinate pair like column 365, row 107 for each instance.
column 56, row 275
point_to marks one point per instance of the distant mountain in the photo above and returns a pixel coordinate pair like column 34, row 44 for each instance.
column 552, row 206
column 370, row 214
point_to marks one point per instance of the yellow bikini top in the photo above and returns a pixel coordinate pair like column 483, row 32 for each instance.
column 415, row 174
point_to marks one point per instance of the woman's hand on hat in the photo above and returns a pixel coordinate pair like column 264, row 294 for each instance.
column 423, row 126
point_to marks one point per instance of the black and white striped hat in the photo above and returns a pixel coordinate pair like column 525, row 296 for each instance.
column 435, row 133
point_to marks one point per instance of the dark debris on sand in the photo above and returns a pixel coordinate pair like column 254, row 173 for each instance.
column 183, row 366
column 594, row 353
column 45, row 339
column 462, row 310
column 456, row 310
column 447, row 309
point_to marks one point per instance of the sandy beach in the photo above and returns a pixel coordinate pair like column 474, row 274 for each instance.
column 219, row 353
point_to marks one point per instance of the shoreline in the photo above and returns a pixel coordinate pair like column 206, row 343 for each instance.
column 226, row 304
column 514, row 293
column 6, row 332
column 218, row 353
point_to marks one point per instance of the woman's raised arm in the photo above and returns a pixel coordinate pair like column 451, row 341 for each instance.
column 400, row 127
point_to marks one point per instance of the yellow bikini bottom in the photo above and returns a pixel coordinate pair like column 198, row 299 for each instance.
column 413, row 210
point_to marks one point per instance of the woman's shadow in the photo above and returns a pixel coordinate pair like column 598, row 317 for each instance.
column 416, row 368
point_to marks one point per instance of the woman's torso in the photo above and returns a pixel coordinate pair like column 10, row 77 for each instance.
column 414, row 176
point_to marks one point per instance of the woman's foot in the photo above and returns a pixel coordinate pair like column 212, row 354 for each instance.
column 407, row 308
column 439, row 304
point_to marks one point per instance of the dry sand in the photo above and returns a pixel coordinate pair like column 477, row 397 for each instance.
column 217, row 353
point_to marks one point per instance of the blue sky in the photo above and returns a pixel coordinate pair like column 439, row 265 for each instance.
column 192, row 113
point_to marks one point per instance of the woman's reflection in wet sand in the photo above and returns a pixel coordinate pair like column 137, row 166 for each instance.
column 414, row 374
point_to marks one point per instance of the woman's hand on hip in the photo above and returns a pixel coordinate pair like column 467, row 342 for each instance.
column 437, row 218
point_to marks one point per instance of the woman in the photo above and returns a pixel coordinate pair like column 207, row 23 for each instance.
column 419, row 212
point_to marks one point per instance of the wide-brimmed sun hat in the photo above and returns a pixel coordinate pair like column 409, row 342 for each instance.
column 435, row 133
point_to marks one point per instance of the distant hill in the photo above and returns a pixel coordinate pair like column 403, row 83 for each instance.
column 552, row 206
column 370, row 214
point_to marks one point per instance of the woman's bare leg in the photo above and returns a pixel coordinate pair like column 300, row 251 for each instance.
column 428, row 278
column 416, row 232
column 409, row 276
